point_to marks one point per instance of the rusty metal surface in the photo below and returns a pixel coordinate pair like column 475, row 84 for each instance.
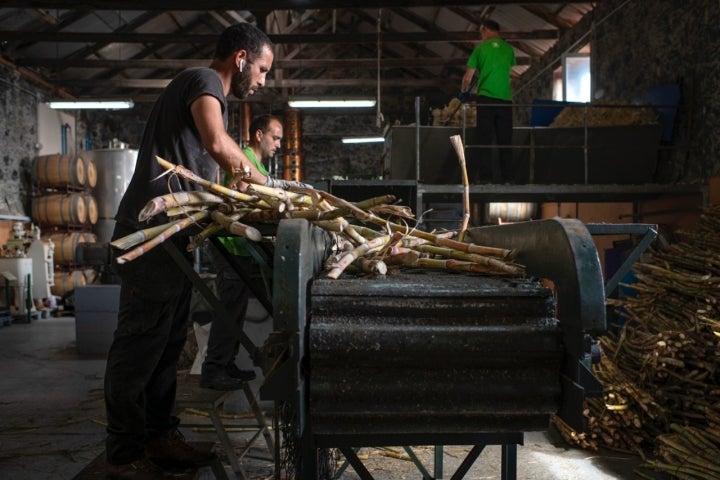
column 432, row 353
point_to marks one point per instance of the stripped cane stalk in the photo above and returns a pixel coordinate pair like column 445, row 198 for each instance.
column 375, row 266
column 141, row 236
column 207, row 184
column 167, row 233
column 455, row 265
column 198, row 239
column 165, row 202
column 235, row 227
column 471, row 257
column 457, row 144
column 358, row 252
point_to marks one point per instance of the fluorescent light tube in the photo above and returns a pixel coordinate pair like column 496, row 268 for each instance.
column 91, row 104
column 332, row 103
column 363, row 139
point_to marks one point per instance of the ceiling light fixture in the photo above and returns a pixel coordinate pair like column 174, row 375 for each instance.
column 309, row 102
column 91, row 104
column 363, row 139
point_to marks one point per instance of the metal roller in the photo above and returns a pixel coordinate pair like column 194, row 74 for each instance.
column 428, row 352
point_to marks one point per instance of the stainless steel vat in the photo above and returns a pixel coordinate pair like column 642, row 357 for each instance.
column 115, row 167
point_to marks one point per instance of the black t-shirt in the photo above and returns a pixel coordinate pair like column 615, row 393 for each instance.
column 171, row 134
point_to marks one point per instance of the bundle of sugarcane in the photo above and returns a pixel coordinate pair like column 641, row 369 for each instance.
column 393, row 241
column 662, row 370
column 627, row 417
column 688, row 453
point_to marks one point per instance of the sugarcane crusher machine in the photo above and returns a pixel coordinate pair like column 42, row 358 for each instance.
column 430, row 358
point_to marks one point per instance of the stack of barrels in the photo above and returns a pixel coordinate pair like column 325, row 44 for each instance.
column 65, row 210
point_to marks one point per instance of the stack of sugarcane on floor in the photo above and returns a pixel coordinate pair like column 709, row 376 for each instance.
column 661, row 370
column 369, row 236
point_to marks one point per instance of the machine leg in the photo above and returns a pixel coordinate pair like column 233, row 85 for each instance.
column 468, row 462
column 509, row 462
column 438, row 471
column 357, row 465
column 418, row 463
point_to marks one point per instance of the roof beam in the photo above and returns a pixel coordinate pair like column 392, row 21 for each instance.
column 175, row 63
column 160, row 83
column 248, row 4
column 347, row 38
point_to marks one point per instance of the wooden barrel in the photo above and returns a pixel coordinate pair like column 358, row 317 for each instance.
column 91, row 173
column 65, row 245
column 67, row 281
column 509, row 212
column 59, row 170
column 60, row 209
column 92, row 209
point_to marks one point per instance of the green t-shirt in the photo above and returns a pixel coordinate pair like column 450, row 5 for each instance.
column 493, row 58
column 258, row 164
column 233, row 244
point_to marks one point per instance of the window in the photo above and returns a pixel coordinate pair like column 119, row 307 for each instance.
column 576, row 77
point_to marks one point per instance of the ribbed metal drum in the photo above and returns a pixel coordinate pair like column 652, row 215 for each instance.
column 432, row 353
column 115, row 167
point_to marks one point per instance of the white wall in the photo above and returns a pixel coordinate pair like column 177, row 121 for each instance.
column 50, row 128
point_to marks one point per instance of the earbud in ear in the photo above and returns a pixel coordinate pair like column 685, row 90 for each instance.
column 242, row 62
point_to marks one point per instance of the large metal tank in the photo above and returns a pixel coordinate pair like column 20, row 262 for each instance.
column 115, row 167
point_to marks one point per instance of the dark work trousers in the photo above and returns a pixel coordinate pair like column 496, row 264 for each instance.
column 223, row 341
column 141, row 372
column 493, row 127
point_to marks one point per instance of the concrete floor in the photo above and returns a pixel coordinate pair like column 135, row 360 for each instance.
column 53, row 420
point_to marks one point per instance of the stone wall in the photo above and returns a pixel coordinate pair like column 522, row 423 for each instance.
column 646, row 42
column 18, row 137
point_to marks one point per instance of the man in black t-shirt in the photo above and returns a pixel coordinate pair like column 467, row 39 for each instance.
column 187, row 126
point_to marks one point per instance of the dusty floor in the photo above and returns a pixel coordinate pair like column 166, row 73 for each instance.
column 52, row 423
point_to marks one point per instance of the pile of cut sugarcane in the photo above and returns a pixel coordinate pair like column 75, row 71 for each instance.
column 661, row 372
column 215, row 208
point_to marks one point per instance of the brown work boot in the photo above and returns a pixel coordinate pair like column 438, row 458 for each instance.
column 138, row 470
column 171, row 450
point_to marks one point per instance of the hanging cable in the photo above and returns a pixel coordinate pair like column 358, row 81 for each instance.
column 379, row 120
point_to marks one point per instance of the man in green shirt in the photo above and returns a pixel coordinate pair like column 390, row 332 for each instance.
column 492, row 59
column 219, row 371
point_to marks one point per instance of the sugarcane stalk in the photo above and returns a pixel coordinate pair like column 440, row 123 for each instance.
column 184, row 210
column 368, row 265
column 455, row 265
column 235, row 227
column 471, row 257
column 141, row 236
column 167, row 233
column 198, row 239
column 189, row 175
column 163, row 203
column 359, row 251
column 457, row 144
